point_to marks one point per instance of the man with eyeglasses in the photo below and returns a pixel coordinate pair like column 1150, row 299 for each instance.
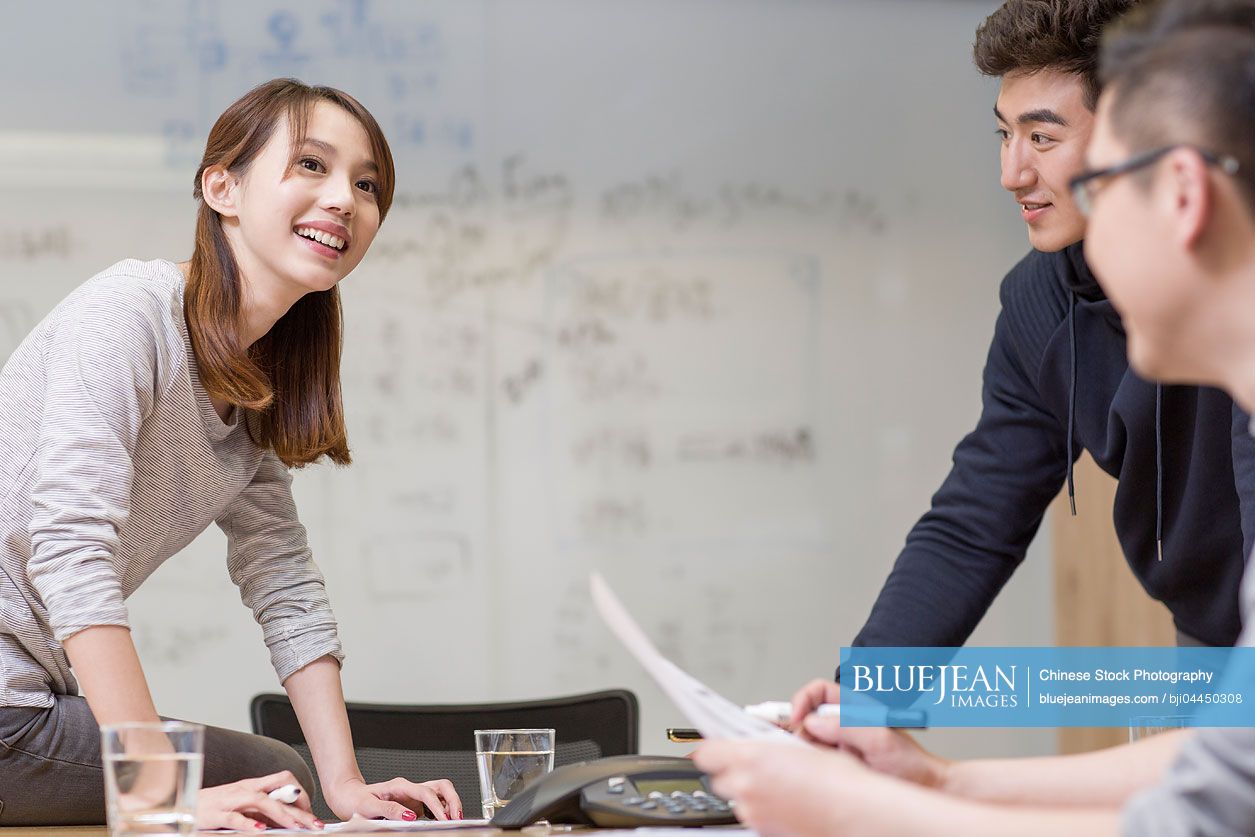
column 1086, row 184
column 1057, row 382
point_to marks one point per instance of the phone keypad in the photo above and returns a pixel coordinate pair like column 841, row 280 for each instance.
column 698, row 801
column 678, row 802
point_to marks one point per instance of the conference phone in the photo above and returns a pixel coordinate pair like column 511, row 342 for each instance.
column 620, row 792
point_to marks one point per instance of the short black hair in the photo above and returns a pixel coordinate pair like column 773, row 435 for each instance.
column 1183, row 71
column 1033, row 35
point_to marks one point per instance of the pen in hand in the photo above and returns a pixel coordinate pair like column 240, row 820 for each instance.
column 776, row 711
column 286, row 794
column 780, row 711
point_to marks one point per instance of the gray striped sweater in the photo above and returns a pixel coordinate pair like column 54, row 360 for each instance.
column 112, row 459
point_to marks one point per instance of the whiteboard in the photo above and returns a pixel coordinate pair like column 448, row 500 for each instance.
column 692, row 292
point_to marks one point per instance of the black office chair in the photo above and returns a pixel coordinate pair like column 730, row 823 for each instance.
column 438, row 742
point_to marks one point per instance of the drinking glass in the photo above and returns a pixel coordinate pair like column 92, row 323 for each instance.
column 1144, row 726
column 152, row 775
column 509, row 760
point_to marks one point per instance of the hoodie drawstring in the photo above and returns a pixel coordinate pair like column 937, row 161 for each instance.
column 1085, row 282
column 1072, row 427
column 1159, row 470
column 1071, row 394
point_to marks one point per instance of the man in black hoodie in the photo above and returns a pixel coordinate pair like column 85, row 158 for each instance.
column 1171, row 193
column 1057, row 382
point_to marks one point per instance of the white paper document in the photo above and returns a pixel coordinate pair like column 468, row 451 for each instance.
column 714, row 716
column 720, row 830
column 361, row 825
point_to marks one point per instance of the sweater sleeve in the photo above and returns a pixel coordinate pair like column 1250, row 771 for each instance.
column 269, row 560
column 100, row 365
column 1244, row 475
column 1208, row 790
column 962, row 551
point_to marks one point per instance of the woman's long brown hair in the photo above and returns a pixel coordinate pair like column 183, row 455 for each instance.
column 288, row 382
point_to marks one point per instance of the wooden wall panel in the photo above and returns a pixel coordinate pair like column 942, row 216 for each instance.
column 1097, row 599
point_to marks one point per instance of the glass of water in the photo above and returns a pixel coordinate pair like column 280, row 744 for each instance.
column 1144, row 726
column 509, row 760
column 152, row 775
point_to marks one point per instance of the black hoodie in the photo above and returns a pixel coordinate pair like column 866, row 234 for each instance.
column 1056, row 382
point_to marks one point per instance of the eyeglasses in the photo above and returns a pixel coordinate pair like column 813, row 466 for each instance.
column 1087, row 184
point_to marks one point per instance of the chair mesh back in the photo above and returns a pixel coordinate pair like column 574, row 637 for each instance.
column 437, row 742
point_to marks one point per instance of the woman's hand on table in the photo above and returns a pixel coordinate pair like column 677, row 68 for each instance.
column 246, row 806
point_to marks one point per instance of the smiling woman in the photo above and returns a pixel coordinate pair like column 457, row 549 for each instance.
column 295, row 218
column 120, row 442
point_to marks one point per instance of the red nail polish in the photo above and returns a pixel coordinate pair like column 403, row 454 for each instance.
column 409, row 816
column 260, row 826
